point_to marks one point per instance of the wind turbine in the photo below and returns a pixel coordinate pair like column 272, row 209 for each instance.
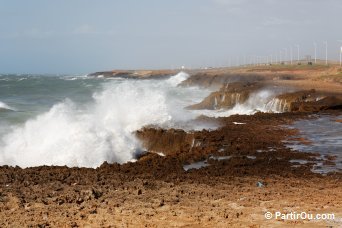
column 297, row 53
column 315, row 52
column 340, row 53
column 285, row 49
column 326, row 52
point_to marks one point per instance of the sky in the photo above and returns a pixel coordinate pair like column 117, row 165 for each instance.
column 84, row 36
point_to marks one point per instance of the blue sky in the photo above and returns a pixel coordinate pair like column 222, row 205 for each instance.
column 81, row 36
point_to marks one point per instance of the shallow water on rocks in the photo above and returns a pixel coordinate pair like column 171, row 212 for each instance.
column 321, row 135
column 196, row 165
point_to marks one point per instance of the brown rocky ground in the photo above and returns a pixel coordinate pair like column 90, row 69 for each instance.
column 156, row 191
column 301, row 87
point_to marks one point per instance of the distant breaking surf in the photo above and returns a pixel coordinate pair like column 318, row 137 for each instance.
column 4, row 106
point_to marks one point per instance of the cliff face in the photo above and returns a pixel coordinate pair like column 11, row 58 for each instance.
column 228, row 96
column 166, row 141
column 305, row 101
column 326, row 103
column 238, row 93
column 285, row 102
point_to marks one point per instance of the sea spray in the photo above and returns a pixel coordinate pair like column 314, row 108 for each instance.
column 257, row 102
column 86, row 136
column 178, row 78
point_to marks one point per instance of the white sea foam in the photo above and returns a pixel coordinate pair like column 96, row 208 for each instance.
column 103, row 130
column 257, row 102
column 76, row 77
column 4, row 106
column 71, row 79
column 177, row 79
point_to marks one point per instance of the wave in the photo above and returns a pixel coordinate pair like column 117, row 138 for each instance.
column 75, row 77
column 5, row 107
column 103, row 130
column 177, row 79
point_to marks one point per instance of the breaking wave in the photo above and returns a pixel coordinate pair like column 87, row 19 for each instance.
column 177, row 79
column 103, row 130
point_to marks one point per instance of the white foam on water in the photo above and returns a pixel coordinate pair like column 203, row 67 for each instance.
column 103, row 130
column 75, row 77
column 5, row 106
column 257, row 102
column 177, row 79
column 196, row 165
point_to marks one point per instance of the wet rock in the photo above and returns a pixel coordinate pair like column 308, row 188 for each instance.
column 228, row 96
column 165, row 141
column 305, row 101
column 327, row 103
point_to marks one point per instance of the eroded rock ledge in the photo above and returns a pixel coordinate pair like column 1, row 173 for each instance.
column 235, row 93
column 137, row 74
column 228, row 96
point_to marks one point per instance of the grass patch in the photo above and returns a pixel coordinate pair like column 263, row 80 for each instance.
column 332, row 78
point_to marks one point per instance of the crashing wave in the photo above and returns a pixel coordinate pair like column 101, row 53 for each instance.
column 73, row 135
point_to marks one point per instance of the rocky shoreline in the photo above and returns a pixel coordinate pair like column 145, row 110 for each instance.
column 248, row 170
column 136, row 74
